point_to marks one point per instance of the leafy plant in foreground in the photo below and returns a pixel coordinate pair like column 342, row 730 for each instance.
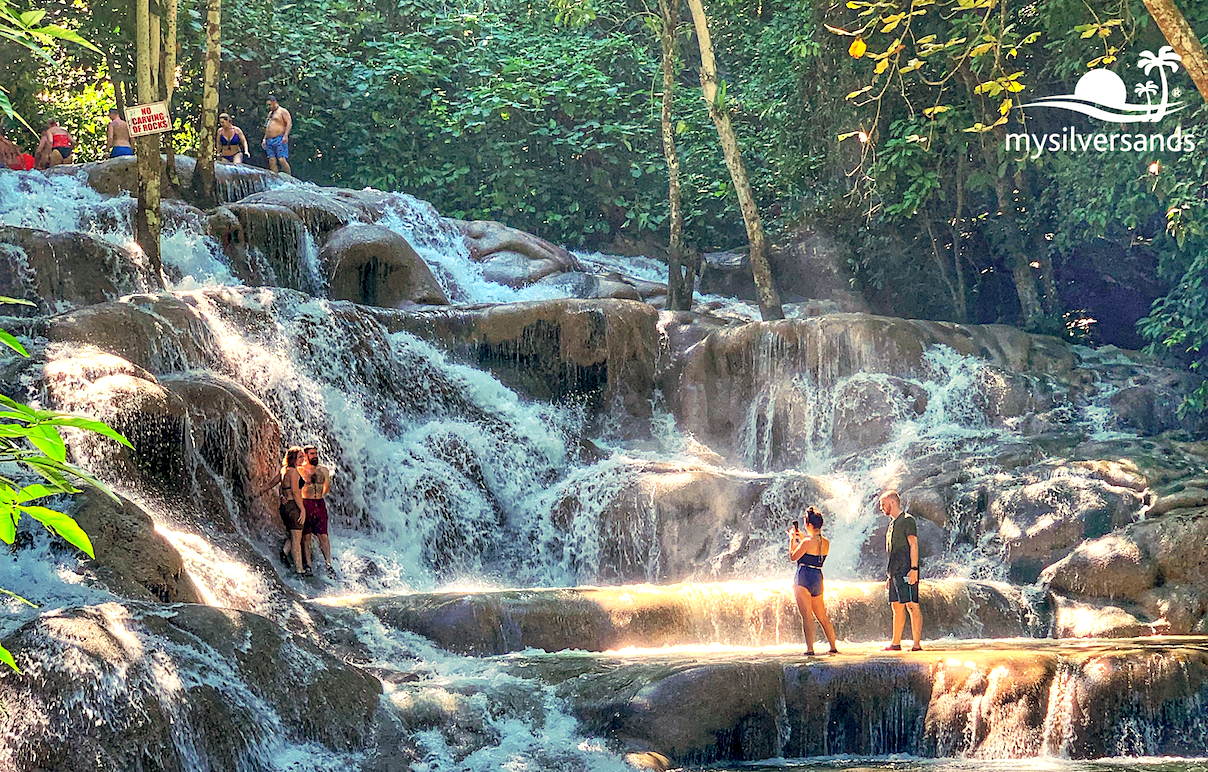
column 30, row 438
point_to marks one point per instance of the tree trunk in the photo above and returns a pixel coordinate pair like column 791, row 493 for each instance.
column 168, row 79
column 1017, row 259
column 680, row 288
column 119, row 85
column 1182, row 39
column 962, row 300
column 147, row 222
column 204, row 187
column 769, row 299
column 154, row 37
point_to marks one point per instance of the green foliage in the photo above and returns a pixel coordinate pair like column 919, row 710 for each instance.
column 30, row 439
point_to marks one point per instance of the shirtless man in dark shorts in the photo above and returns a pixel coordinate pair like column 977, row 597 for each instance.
column 316, row 483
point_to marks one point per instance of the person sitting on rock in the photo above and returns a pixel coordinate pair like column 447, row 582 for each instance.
column 809, row 549
column 55, row 148
column 291, row 507
column 117, row 135
column 232, row 144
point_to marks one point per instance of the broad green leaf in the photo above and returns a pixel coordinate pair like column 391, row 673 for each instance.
column 7, row 659
column 8, row 524
column 7, row 339
column 63, row 525
column 56, row 31
column 48, row 440
column 89, row 424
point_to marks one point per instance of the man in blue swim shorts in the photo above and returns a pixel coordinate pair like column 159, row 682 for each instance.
column 276, row 135
column 117, row 135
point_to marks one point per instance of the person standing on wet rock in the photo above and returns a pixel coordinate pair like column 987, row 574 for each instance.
column 809, row 548
column 902, row 547
column 276, row 135
column 317, row 482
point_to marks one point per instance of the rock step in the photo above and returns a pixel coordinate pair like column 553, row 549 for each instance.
column 971, row 699
column 730, row 613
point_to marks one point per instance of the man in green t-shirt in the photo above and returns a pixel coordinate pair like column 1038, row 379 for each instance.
column 902, row 547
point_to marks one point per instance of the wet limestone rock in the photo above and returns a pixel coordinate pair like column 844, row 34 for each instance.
column 157, row 333
column 239, row 438
column 650, row 616
column 486, row 238
column 181, row 686
column 1160, row 564
column 61, row 270
column 600, row 351
column 375, row 266
column 132, row 559
column 1010, row 700
column 866, row 410
column 765, row 362
column 129, row 399
column 322, row 210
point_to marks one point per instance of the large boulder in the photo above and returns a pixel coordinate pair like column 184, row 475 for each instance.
column 375, row 266
column 485, row 238
column 157, row 333
column 180, row 688
column 1160, row 564
column 322, row 210
column 239, row 439
column 132, row 558
column 60, row 270
column 129, row 399
column 600, row 351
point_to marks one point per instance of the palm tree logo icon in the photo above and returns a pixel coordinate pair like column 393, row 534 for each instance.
column 1146, row 90
column 1166, row 57
column 1102, row 94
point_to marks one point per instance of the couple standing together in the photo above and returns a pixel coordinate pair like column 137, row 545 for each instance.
column 809, row 549
column 304, row 484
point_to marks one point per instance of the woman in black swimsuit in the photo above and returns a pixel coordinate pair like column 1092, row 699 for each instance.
column 293, row 516
column 232, row 145
column 809, row 549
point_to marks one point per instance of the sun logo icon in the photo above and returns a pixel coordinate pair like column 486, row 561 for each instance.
column 1102, row 94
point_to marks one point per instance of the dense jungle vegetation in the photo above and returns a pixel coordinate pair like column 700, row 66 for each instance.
column 881, row 123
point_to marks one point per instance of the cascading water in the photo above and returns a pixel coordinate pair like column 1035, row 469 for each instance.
column 448, row 481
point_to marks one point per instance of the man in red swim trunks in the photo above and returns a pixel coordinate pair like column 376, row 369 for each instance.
column 55, row 148
column 316, row 483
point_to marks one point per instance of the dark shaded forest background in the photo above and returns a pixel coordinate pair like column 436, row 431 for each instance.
column 503, row 110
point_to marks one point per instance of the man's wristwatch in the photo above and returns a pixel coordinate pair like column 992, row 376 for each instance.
column 914, row 568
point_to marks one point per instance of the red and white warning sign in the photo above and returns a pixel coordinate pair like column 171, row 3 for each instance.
column 148, row 119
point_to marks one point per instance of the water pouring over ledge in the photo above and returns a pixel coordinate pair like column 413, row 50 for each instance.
column 454, row 479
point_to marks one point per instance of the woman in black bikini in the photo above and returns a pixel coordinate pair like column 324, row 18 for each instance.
column 232, row 145
column 293, row 516
column 809, row 549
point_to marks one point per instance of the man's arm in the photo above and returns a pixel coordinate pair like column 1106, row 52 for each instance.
column 109, row 136
column 289, row 124
column 914, row 559
column 326, row 481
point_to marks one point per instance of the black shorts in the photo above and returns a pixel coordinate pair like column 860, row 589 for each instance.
column 291, row 516
column 901, row 591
